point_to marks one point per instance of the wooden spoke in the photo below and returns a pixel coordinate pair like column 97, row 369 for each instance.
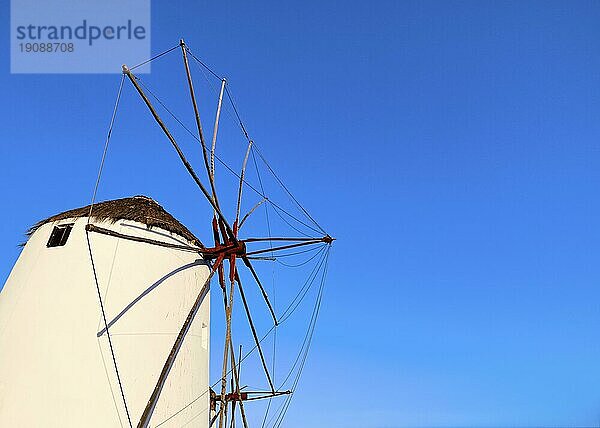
column 283, row 247
column 236, row 378
column 249, row 213
column 198, row 122
column 254, row 334
column 242, row 173
column 185, row 162
column 228, row 310
column 262, row 289
column 215, row 130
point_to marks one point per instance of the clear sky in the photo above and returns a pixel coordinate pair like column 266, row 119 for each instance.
column 451, row 147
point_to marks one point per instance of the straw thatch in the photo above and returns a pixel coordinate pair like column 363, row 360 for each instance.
column 138, row 208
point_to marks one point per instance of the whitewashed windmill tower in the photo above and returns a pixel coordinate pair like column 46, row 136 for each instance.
column 56, row 366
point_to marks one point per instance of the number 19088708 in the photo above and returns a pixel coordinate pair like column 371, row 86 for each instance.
column 47, row 47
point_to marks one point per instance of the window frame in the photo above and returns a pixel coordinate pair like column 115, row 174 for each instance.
column 59, row 235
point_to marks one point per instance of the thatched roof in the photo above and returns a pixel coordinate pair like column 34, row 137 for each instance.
column 138, row 208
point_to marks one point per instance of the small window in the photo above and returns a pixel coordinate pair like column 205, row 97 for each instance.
column 59, row 235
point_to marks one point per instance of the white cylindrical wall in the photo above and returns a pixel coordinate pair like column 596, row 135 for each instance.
column 54, row 369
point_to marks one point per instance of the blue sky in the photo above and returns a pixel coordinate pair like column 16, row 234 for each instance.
column 451, row 147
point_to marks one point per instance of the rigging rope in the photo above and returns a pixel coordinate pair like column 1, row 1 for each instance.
column 299, row 221
column 237, row 114
column 306, row 344
column 288, row 192
column 154, row 57
column 273, row 286
column 193, row 135
column 110, row 345
column 282, row 409
column 307, row 334
column 112, row 352
column 305, row 261
column 202, row 63
column 305, row 288
column 245, row 132
column 105, row 151
column 295, row 253
column 230, row 97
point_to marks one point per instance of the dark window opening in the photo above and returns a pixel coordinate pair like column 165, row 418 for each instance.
column 59, row 235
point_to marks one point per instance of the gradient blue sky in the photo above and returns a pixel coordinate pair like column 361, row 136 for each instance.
column 452, row 149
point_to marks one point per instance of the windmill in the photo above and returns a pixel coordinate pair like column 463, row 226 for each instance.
column 145, row 231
